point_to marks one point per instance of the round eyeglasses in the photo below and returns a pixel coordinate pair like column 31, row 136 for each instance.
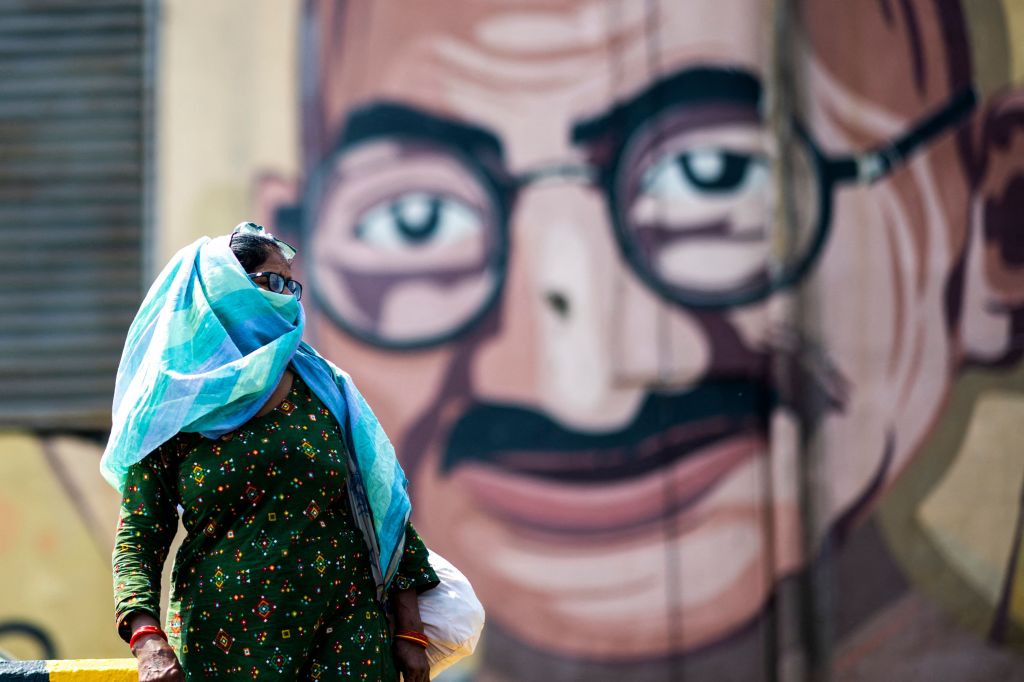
column 278, row 283
column 410, row 238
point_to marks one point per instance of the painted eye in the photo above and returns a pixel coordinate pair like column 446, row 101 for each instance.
column 418, row 220
column 704, row 173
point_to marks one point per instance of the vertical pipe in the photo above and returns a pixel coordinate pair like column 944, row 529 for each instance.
column 784, row 104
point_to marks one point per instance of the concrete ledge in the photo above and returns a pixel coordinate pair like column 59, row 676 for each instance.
column 80, row 670
column 29, row 671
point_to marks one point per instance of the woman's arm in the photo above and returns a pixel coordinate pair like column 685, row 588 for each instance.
column 414, row 576
column 414, row 571
column 410, row 658
column 148, row 521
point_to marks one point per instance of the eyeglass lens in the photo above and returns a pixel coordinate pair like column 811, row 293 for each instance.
column 277, row 284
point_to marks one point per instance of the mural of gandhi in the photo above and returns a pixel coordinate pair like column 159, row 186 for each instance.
column 540, row 236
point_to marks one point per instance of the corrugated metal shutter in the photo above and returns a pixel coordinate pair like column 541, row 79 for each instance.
column 74, row 112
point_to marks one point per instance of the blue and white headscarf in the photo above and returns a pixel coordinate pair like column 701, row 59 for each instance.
column 203, row 355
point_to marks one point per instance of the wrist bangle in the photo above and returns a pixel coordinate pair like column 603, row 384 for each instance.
column 145, row 630
column 413, row 636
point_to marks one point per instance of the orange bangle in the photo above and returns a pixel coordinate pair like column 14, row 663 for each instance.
column 413, row 636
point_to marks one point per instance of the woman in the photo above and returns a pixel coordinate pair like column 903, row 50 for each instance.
column 292, row 499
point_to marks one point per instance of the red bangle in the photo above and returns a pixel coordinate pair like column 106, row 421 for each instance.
column 145, row 630
column 413, row 636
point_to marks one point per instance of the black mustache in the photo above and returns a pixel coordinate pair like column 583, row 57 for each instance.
column 524, row 440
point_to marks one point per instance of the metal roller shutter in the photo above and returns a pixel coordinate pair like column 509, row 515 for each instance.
column 74, row 140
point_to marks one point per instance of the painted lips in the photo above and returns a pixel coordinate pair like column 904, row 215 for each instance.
column 555, row 507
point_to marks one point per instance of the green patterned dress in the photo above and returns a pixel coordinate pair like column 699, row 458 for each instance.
column 273, row 580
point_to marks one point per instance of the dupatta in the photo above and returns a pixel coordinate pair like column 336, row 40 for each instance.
column 204, row 353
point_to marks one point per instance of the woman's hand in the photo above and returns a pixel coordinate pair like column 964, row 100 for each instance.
column 157, row 662
column 411, row 661
column 410, row 657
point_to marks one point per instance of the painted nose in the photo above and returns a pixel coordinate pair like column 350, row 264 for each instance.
column 552, row 345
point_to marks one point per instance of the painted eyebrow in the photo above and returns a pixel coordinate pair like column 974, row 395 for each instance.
column 692, row 87
column 396, row 121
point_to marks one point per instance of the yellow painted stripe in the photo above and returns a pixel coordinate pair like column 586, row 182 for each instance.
column 94, row 670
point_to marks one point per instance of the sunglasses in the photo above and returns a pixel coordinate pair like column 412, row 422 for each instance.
column 278, row 284
column 287, row 250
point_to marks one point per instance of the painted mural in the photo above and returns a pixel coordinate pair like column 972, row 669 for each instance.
column 697, row 325
column 665, row 310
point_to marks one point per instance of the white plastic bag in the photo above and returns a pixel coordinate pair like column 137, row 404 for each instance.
column 452, row 616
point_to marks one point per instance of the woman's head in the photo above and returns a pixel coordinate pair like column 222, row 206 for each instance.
column 262, row 257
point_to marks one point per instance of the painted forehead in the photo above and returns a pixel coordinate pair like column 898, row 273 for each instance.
column 506, row 62
column 531, row 70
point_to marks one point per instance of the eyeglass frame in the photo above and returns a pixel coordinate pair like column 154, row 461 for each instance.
column 286, row 283
column 832, row 171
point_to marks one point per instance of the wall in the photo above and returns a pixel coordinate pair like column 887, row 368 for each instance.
column 55, row 545
column 226, row 71
column 662, row 443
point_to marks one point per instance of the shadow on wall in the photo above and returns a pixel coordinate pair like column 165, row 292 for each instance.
column 36, row 638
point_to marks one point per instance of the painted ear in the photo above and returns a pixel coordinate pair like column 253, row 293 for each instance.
column 274, row 199
column 994, row 286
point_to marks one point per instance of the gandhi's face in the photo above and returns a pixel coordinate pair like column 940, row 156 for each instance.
column 560, row 213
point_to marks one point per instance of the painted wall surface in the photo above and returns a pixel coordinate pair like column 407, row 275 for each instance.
column 56, row 521
column 687, row 388
column 686, row 385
